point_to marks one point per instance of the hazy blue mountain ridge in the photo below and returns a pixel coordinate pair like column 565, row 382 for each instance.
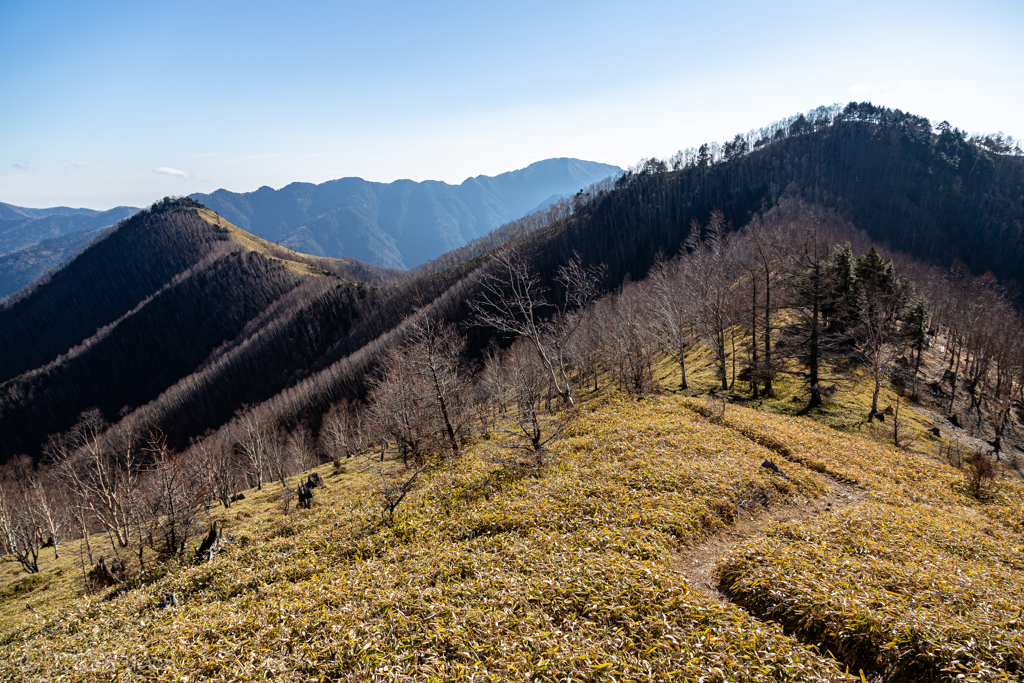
column 404, row 223
column 19, row 268
column 21, row 227
column 34, row 241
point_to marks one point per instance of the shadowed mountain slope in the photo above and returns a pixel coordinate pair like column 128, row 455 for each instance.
column 934, row 194
column 167, row 291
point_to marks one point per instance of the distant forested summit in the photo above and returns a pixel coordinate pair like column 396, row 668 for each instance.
column 169, row 297
column 404, row 223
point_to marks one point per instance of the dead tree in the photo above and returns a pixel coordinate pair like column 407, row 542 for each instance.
column 393, row 490
column 105, row 576
column 305, row 494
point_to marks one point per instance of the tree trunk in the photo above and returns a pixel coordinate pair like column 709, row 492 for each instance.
column 878, row 387
column 768, row 390
column 753, row 338
column 812, row 355
column 722, row 371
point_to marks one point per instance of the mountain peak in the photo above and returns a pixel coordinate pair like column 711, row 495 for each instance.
column 403, row 223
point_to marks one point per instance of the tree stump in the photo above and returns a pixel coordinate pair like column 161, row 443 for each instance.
column 104, row 575
column 305, row 496
column 210, row 545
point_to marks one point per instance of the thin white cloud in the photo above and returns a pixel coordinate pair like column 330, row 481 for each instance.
column 22, row 165
column 264, row 156
column 68, row 165
column 165, row 170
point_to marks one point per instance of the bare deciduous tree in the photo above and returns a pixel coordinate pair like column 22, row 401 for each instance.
column 398, row 407
column 710, row 274
column 630, row 335
column 173, row 495
column 343, row 432
column 20, row 527
column 532, row 428
column 514, row 301
column 881, row 300
column 218, row 465
column 300, row 450
column 436, row 356
column 422, row 397
column 257, row 436
column 673, row 312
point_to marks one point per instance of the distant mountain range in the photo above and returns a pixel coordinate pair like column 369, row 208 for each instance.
column 404, row 223
column 21, row 227
column 396, row 225
column 34, row 241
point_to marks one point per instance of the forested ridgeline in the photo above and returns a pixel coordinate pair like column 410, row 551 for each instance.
column 144, row 253
column 132, row 360
column 938, row 194
column 235, row 328
column 317, row 345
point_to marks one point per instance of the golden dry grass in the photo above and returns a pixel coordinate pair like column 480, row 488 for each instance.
column 488, row 574
column 922, row 582
column 259, row 245
column 568, row 572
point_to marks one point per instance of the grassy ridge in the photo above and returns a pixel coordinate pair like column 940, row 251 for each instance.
column 486, row 575
column 923, row 582
column 258, row 244
column 570, row 571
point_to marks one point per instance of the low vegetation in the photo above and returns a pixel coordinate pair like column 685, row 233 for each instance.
column 488, row 572
column 493, row 570
column 922, row 582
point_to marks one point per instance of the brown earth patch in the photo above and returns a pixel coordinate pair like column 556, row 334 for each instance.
column 697, row 563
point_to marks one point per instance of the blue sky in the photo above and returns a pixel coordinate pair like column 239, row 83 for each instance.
column 111, row 103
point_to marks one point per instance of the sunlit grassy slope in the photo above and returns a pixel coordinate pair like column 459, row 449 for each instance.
column 571, row 571
column 258, row 244
column 922, row 581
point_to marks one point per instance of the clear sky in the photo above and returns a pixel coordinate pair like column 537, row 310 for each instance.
column 107, row 103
